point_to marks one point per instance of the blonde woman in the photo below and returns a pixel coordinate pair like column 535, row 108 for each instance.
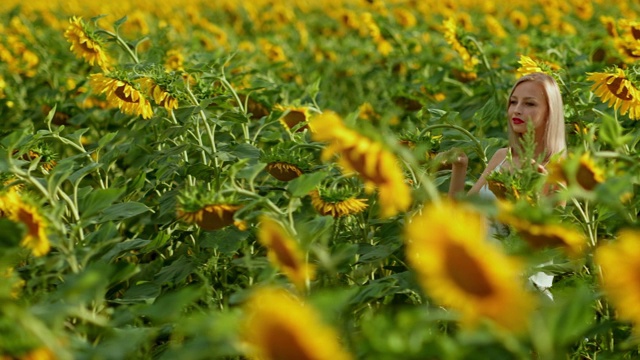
column 534, row 102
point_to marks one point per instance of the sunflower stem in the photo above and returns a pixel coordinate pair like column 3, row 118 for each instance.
column 478, row 145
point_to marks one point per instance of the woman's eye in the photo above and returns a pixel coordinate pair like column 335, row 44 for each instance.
column 531, row 104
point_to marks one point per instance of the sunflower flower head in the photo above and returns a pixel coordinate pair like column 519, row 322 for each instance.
column 284, row 252
column 14, row 207
column 337, row 202
column 539, row 229
column 619, row 260
column 375, row 165
column 452, row 37
column 582, row 171
column 459, row 269
column 286, row 162
column 159, row 93
column 85, row 44
column 122, row 93
column 208, row 210
column 294, row 118
column 280, row 326
column 618, row 90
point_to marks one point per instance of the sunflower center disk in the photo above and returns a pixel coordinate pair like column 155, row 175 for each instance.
column 466, row 272
column 619, row 90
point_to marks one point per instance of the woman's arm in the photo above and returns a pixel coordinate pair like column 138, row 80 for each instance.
column 458, row 174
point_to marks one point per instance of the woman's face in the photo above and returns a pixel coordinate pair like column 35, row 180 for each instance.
column 528, row 104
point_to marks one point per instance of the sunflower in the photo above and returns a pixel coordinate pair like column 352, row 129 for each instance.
column 539, row 231
column 279, row 326
column 585, row 172
column 527, row 66
column 283, row 171
column 337, row 208
column 618, row 90
column 450, row 35
column 212, row 217
column 459, row 268
column 122, row 94
column 620, row 264
column 519, row 19
column 16, row 209
column 292, row 116
column 495, row 27
column 174, row 60
column 159, row 95
column 376, row 166
column 404, row 17
column 284, row 252
column 85, row 45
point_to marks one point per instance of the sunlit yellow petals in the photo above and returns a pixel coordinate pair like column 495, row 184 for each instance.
column 13, row 207
column 174, row 61
column 450, row 35
column 159, row 95
column 337, row 208
column 84, row 46
column 284, row 252
column 377, row 167
column 279, row 326
column 618, row 91
column 619, row 260
column 459, row 268
column 294, row 115
column 527, row 66
column 123, row 95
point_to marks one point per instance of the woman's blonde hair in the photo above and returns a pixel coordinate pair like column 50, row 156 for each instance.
column 554, row 137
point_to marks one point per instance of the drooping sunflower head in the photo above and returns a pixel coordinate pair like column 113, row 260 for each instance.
column 538, row 227
column 582, row 171
column 85, row 44
column 278, row 325
column 616, row 88
column 338, row 201
column 123, row 93
column 208, row 210
column 286, row 162
column 161, row 90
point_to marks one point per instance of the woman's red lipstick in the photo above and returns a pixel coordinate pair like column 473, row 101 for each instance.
column 517, row 121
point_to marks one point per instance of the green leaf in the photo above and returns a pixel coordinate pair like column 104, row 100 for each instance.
column 98, row 200
column 227, row 240
column 139, row 293
column 124, row 246
column 11, row 233
column 610, row 131
column 303, row 184
column 169, row 307
column 82, row 172
column 105, row 139
column 246, row 151
column 176, row 272
column 123, row 211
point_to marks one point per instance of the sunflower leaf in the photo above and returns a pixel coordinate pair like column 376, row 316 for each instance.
column 303, row 184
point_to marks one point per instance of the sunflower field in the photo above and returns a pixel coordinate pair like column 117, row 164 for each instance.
column 268, row 180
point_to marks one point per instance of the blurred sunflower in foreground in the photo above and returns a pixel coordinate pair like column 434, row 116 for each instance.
column 376, row 166
column 15, row 208
column 460, row 269
column 619, row 260
column 280, row 326
column 284, row 252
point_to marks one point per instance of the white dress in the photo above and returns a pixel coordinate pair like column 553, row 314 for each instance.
column 539, row 280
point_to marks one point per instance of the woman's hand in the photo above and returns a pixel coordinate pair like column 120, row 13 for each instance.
column 456, row 157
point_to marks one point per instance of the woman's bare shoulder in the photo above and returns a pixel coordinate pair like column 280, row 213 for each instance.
column 499, row 155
